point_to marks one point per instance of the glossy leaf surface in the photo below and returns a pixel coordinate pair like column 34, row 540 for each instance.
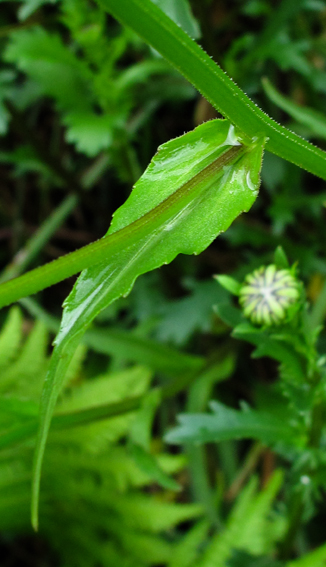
column 193, row 189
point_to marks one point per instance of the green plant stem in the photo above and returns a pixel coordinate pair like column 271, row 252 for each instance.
column 318, row 310
column 17, row 228
column 199, row 394
column 317, row 424
column 145, row 18
column 93, row 173
column 12, row 28
column 102, row 250
column 37, row 242
column 295, row 520
column 57, row 270
column 248, row 467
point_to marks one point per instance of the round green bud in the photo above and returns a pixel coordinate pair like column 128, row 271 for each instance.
column 268, row 294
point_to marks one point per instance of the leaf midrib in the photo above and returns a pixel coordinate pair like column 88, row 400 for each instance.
column 101, row 250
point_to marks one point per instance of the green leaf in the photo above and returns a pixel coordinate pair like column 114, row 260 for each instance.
column 61, row 75
column 140, row 432
column 315, row 558
column 187, row 551
column 30, row 6
column 181, row 318
column 91, row 132
column 55, row 68
column 10, row 337
column 280, row 259
column 106, row 388
column 124, row 345
column 230, row 315
column 199, row 393
column 6, row 91
column 226, row 423
column 249, row 527
column 90, row 477
column 268, row 42
column 27, row 372
column 140, row 437
column 314, row 120
column 128, row 346
column 268, row 344
column 232, row 285
column 194, row 188
column 149, row 465
column 244, row 559
column 155, row 515
column 25, row 160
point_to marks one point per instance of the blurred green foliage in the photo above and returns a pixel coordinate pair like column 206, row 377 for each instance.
column 84, row 103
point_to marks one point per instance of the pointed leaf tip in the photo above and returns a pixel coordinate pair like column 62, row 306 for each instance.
column 193, row 189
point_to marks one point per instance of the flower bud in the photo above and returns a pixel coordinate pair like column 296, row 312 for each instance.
column 268, row 294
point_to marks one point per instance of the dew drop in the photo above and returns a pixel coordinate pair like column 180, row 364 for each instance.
column 250, row 184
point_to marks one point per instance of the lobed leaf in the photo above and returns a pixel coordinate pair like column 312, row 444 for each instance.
column 226, row 423
column 57, row 71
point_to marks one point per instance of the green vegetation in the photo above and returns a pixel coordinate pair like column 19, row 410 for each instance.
column 179, row 419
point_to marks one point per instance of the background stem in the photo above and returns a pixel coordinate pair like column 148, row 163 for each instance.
column 146, row 19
